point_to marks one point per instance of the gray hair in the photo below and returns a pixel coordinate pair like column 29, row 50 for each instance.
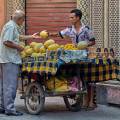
column 18, row 14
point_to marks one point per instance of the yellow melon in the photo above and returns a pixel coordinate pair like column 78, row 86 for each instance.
column 53, row 47
column 44, row 34
column 23, row 54
column 49, row 42
column 29, row 51
column 32, row 44
column 42, row 49
column 37, row 47
column 36, row 54
column 61, row 46
column 82, row 45
column 27, row 47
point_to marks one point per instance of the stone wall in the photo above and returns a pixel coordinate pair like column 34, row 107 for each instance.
column 2, row 13
column 104, row 18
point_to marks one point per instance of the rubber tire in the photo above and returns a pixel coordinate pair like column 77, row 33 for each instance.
column 78, row 103
column 42, row 98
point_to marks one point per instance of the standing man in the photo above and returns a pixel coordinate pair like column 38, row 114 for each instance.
column 79, row 32
column 9, row 62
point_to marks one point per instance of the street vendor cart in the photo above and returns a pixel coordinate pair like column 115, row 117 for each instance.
column 65, row 74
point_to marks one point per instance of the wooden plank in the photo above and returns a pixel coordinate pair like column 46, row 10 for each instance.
column 50, row 10
column 38, row 29
column 55, row 18
column 48, row 21
column 36, row 14
column 51, row 15
column 49, row 1
column 33, row 14
column 65, row 5
column 48, row 24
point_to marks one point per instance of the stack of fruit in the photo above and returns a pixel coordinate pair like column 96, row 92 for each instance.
column 70, row 47
column 58, row 85
column 35, row 49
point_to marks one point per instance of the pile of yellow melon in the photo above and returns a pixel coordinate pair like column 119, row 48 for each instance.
column 35, row 49
column 70, row 47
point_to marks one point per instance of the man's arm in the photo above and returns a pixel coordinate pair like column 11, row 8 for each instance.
column 27, row 37
column 54, row 34
column 59, row 35
column 91, row 37
column 63, row 33
column 91, row 42
column 13, row 45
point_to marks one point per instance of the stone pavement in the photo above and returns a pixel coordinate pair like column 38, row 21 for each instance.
column 55, row 110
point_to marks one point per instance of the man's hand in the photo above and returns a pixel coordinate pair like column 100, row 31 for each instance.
column 27, row 37
column 20, row 48
column 13, row 45
column 91, row 43
column 35, row 35
column 53, row 34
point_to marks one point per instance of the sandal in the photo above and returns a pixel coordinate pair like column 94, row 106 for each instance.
column 90, row 108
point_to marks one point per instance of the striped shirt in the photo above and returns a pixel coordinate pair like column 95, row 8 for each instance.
column 84, row 34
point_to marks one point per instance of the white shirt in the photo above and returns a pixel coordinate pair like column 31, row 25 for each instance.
column 9, row 33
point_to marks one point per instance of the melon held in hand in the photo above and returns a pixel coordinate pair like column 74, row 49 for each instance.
column 44, row 34
column 82, row 45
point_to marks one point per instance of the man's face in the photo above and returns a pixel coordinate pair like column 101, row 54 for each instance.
column 73, row 19
column 20, row 21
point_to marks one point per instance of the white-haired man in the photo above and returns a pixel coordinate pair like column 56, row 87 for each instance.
column 9, row 62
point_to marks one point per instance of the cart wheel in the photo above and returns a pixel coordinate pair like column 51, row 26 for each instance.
column 73, row 102
column 34, row 98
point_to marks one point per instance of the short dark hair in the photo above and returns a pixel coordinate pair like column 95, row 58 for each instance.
column 78, row 13
column 105, row 49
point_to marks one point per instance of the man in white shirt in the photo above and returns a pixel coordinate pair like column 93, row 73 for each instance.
column 77, row 31
column 9, row 62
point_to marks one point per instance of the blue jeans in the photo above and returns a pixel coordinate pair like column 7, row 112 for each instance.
column 8, row 86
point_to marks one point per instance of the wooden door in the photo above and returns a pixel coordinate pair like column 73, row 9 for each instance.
column 51, row 15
